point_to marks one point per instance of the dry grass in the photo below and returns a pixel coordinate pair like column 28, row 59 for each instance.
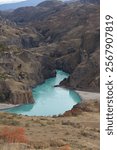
column 79, row 132
column 13, row 135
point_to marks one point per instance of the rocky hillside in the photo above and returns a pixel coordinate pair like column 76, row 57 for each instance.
column 35, row 41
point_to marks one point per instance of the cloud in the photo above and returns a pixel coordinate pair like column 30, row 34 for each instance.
column 10, row 1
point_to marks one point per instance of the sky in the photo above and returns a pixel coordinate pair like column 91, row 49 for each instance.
column 10, row 1
column 14, row 1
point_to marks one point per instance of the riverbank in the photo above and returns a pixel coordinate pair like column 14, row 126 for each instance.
column 56, row 133
column 7, row 106
column 88, row 95
column 83, row 94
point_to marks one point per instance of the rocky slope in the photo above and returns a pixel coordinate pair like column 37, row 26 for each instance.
column 35, row 41
column 20, row 69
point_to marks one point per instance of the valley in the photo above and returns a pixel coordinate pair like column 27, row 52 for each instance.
column 35, row 42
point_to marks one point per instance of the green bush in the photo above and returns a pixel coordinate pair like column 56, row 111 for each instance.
column 2, row 76
column 2, row 47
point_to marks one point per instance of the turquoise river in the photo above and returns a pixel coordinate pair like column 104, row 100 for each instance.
column 49, row 100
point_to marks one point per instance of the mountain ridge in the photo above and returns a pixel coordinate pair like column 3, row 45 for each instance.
column 12, row 6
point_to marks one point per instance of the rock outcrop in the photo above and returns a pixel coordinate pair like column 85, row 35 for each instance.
column 84, row 106
column 20, row 72
column 4, row 91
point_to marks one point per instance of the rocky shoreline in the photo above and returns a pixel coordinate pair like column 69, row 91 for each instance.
column 85, row 96
column 88, row 95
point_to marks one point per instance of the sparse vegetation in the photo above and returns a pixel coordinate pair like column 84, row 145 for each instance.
column 13, row 135
column 66, row 147
column 2, row 76
column 3, row 47
column 9, row 120
column 79, row 132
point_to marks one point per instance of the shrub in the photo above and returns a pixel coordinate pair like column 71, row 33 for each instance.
column 16, row 135
column 2, row 47
column 66, row 147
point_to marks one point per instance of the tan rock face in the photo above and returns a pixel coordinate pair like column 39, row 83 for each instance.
column 20, row 72
column 12, row 93
column 4, row 91
column 21, row 97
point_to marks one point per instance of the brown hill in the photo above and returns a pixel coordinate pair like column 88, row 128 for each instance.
column 35, row 41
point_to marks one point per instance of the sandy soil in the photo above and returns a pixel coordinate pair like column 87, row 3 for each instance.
column 89, row 95
column 5, row 106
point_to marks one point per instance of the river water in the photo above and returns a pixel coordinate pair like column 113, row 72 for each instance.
column 49, row 100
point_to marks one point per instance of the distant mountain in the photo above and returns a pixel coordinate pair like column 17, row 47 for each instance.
column 13, row 6
column 90, row 1
column 20, row 4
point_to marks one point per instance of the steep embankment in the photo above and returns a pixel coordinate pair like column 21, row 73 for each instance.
column 34, row 41
column 20, row 69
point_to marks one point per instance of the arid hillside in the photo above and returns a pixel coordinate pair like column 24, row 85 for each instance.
column 35, row 41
